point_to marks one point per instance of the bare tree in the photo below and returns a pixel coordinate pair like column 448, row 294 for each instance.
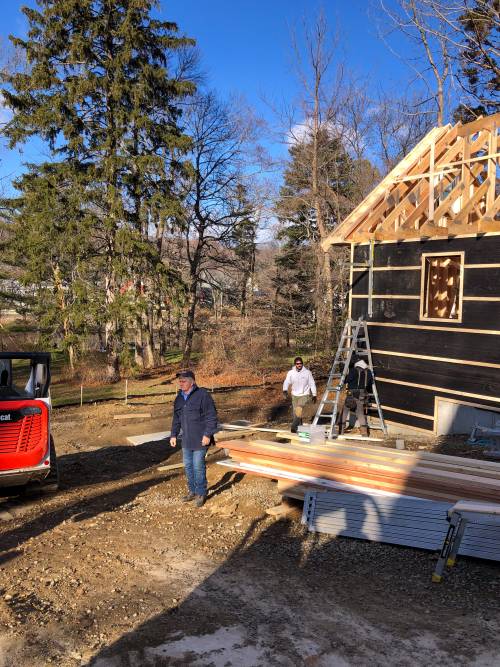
column 221, row 135
column 431, row 64
column 398, row 125
column 471, row 29
column 320, row 78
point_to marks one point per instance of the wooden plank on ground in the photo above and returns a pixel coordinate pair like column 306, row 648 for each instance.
column 172, row 466
column 134, row 415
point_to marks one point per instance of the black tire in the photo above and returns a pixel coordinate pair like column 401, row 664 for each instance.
column 51, row 483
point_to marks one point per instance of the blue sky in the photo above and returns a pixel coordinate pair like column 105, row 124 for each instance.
column 245, row 48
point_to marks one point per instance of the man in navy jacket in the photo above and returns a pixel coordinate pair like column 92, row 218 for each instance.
column 195, row 416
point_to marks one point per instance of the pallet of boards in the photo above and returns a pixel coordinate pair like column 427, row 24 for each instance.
column 411, row 522
column 419, row 474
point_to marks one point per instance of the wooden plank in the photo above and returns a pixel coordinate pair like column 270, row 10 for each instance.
column 134, row 415
column 173, row 466
column 467, row 207
column 370, row 450
column 399, row 486
column 389, row 469
column 492, row 210
column 353, row 219
column 389, row 460
column 479, row 124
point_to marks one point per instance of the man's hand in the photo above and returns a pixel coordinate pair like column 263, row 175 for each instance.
column 205, row 441
column 173, row 441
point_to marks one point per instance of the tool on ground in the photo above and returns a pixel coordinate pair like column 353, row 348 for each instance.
column 354, row 341
column 462, row 514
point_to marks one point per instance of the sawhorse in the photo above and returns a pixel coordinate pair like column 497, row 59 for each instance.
column 458, row 516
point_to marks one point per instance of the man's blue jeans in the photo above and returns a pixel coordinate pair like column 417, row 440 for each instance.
column 194, row 466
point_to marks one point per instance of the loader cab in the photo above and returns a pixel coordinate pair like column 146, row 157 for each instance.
column 27, row 453
column 24, row 375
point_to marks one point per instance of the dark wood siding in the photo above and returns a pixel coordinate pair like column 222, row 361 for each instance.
column 475, row 314
column 451, row 344
column 482, row 282
column 470, row 379
column 387, row 282
column 478, row 250
column 461, row 379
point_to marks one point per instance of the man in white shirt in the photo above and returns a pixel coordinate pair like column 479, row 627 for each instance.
column 302, row 383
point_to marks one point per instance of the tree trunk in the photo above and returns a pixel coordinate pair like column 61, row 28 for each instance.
column 66, row 323
column 139, row 343
column 149, row 353
column 164, row 333
column 71, row 358
column 113, row 360
column 193, row 302
column 324, row 302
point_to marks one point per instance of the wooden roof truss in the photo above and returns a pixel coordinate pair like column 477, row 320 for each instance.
column 447, row 186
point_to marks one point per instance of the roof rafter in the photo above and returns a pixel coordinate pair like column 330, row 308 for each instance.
column 447, row 184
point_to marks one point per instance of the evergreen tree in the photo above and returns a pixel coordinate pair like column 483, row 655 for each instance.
column 99, row 90
column 336, row 193
column 479, row 60
column 50, row 243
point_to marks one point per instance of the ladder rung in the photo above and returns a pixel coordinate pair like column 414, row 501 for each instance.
column 350, row 345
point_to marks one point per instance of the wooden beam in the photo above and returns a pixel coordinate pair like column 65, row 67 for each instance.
column 478, row 124
column 400, row 208
column 479, row 193
column 480, row 142
column 173, row 466
column 134, row 415
column 351, row 223
column 430, row 215
column 492, row 169
column 450, row 199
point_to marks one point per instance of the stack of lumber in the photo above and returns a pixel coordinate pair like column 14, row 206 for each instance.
column 341, row 465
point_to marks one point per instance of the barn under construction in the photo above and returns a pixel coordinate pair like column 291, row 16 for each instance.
column 425, row 274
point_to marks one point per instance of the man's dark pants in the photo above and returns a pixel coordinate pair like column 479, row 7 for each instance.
column 195, row 469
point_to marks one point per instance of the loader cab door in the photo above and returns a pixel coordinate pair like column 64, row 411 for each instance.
column 24, row 377
column 40, row 375
column 38, row 382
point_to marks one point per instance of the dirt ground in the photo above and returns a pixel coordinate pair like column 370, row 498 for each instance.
column 115, row 571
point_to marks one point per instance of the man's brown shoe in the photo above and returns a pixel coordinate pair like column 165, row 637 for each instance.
column 200, row 501
column 190, row 496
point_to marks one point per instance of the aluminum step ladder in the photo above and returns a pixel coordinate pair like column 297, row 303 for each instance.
column 354, row 341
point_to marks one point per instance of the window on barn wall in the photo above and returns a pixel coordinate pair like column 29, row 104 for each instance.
column 442, row 286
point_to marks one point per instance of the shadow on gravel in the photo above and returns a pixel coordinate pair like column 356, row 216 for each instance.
column 227, row 480
column 81, row 510
column 111, row 463
column 288, row 597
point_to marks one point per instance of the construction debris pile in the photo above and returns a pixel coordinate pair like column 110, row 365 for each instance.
column 357, row 466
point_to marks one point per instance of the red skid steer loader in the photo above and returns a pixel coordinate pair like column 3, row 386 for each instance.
column 27, row 452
